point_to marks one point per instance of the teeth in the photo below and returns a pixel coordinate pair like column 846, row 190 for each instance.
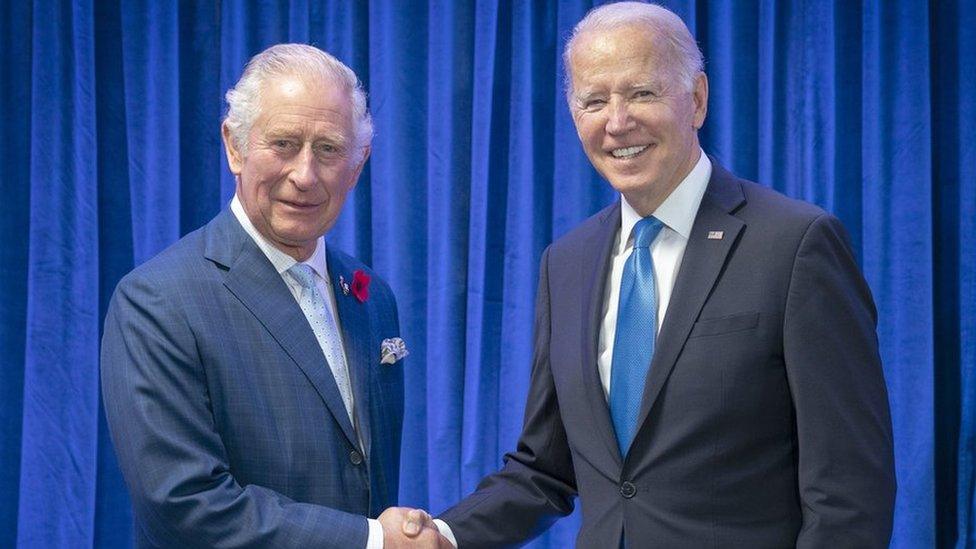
column 629, row 151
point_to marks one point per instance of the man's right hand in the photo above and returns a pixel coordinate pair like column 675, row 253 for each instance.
column 405, row 527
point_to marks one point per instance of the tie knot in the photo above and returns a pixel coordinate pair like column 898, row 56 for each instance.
column 303, row 274
column 646, row 230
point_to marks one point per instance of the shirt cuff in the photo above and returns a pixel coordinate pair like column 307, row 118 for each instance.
column 445, row 531
column 375, row 539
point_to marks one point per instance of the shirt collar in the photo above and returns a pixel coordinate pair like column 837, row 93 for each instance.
column 678, row 210
column 281, row 261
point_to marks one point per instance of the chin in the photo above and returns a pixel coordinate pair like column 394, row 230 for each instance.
column 295, row 236
column 631, row 184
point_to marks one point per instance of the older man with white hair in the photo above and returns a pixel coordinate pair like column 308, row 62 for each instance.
column 706, row 369
column 252, row 375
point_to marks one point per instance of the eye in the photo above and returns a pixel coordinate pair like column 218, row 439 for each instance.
column 594, row 103
column 644, row 94
column 282, row 144
column 326, row 151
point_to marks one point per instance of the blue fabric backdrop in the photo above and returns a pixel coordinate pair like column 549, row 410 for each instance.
column 110, row 151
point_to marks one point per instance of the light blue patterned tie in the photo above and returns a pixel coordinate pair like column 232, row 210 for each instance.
column 317, row 312
column 633, row 346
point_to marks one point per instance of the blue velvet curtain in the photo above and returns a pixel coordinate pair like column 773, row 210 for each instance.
column 110, row 151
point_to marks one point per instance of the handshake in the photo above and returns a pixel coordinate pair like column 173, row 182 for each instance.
column 405, row 527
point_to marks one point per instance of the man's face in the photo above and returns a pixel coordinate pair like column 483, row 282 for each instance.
column 638, row 123
column 301, row 161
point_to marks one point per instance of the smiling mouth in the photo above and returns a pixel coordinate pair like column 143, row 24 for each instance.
column 629, row 152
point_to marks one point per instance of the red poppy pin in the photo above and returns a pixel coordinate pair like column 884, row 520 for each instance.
column 360, row 286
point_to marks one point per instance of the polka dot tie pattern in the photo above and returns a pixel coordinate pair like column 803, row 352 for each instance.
column 320, row 318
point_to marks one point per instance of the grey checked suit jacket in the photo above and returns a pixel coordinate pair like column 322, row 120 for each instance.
column 227, row 422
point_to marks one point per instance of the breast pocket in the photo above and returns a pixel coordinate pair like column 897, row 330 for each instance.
column 724, row 325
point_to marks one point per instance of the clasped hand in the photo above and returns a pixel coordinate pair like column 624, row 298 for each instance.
column 405, row 527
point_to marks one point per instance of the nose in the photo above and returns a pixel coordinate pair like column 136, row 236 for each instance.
column 619, row 120
column 303, row 168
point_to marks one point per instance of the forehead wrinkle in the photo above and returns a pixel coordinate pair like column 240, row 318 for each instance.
column 303, row 115
column 287, row 123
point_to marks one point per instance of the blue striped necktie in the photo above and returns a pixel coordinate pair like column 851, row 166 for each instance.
column 633, row 346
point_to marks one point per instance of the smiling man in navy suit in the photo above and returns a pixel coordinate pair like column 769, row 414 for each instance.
column 250, row 373
column 706, row 368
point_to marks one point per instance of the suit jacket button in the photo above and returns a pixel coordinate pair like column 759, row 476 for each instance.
column 628, row 490
column 355, row 457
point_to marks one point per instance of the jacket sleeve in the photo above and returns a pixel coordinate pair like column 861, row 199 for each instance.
column 158, row 409
column 537, row 484
column 845, row 456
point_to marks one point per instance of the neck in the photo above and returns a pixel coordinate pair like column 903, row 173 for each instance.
column 298, row 253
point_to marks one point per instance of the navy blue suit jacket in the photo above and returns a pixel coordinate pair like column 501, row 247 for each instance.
column 227, row 422
column 764, row 421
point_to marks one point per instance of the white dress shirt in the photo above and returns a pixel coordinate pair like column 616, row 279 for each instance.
column 282, row 262
column 677, row 212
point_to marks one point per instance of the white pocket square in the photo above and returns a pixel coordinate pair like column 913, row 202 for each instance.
column 392, row 350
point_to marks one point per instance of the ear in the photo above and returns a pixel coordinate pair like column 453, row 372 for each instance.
column 359, row 168
column 235, row 157
column 700, row 96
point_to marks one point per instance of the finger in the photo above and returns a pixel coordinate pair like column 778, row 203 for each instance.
column 420, row 516
column 411, row 525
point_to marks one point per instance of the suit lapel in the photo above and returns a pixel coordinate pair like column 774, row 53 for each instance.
column 254, row 281
column 700, row 268
column 595, row 257
column 357, row 339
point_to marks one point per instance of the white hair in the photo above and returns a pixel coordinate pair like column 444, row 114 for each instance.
column 304, row 61
column 681, row 51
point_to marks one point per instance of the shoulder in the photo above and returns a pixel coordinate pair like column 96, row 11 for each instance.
column 775, row 206
column 777, row 225
column 769, row 215
column 179, row 271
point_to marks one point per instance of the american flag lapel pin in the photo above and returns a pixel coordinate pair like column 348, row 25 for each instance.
column 716, row 235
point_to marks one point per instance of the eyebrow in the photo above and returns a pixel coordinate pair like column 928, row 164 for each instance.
column 587, row 94
column 644, row 84
column 282, row 131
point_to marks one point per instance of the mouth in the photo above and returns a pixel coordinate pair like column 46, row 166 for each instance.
column 629, row 152
column 300, row 206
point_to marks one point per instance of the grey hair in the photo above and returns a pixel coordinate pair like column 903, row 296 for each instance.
column 304, row 61
column 681, row 51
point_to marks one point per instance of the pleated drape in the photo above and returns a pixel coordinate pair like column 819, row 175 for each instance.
column 111, row 151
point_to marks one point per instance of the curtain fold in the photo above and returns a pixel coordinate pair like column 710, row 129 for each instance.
column 953, row 74
column 15, row 95
column 58, row 457
column 897, row 231
column 111, row 150
column 116, row 248
column 399, row 214
column 448, row 151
